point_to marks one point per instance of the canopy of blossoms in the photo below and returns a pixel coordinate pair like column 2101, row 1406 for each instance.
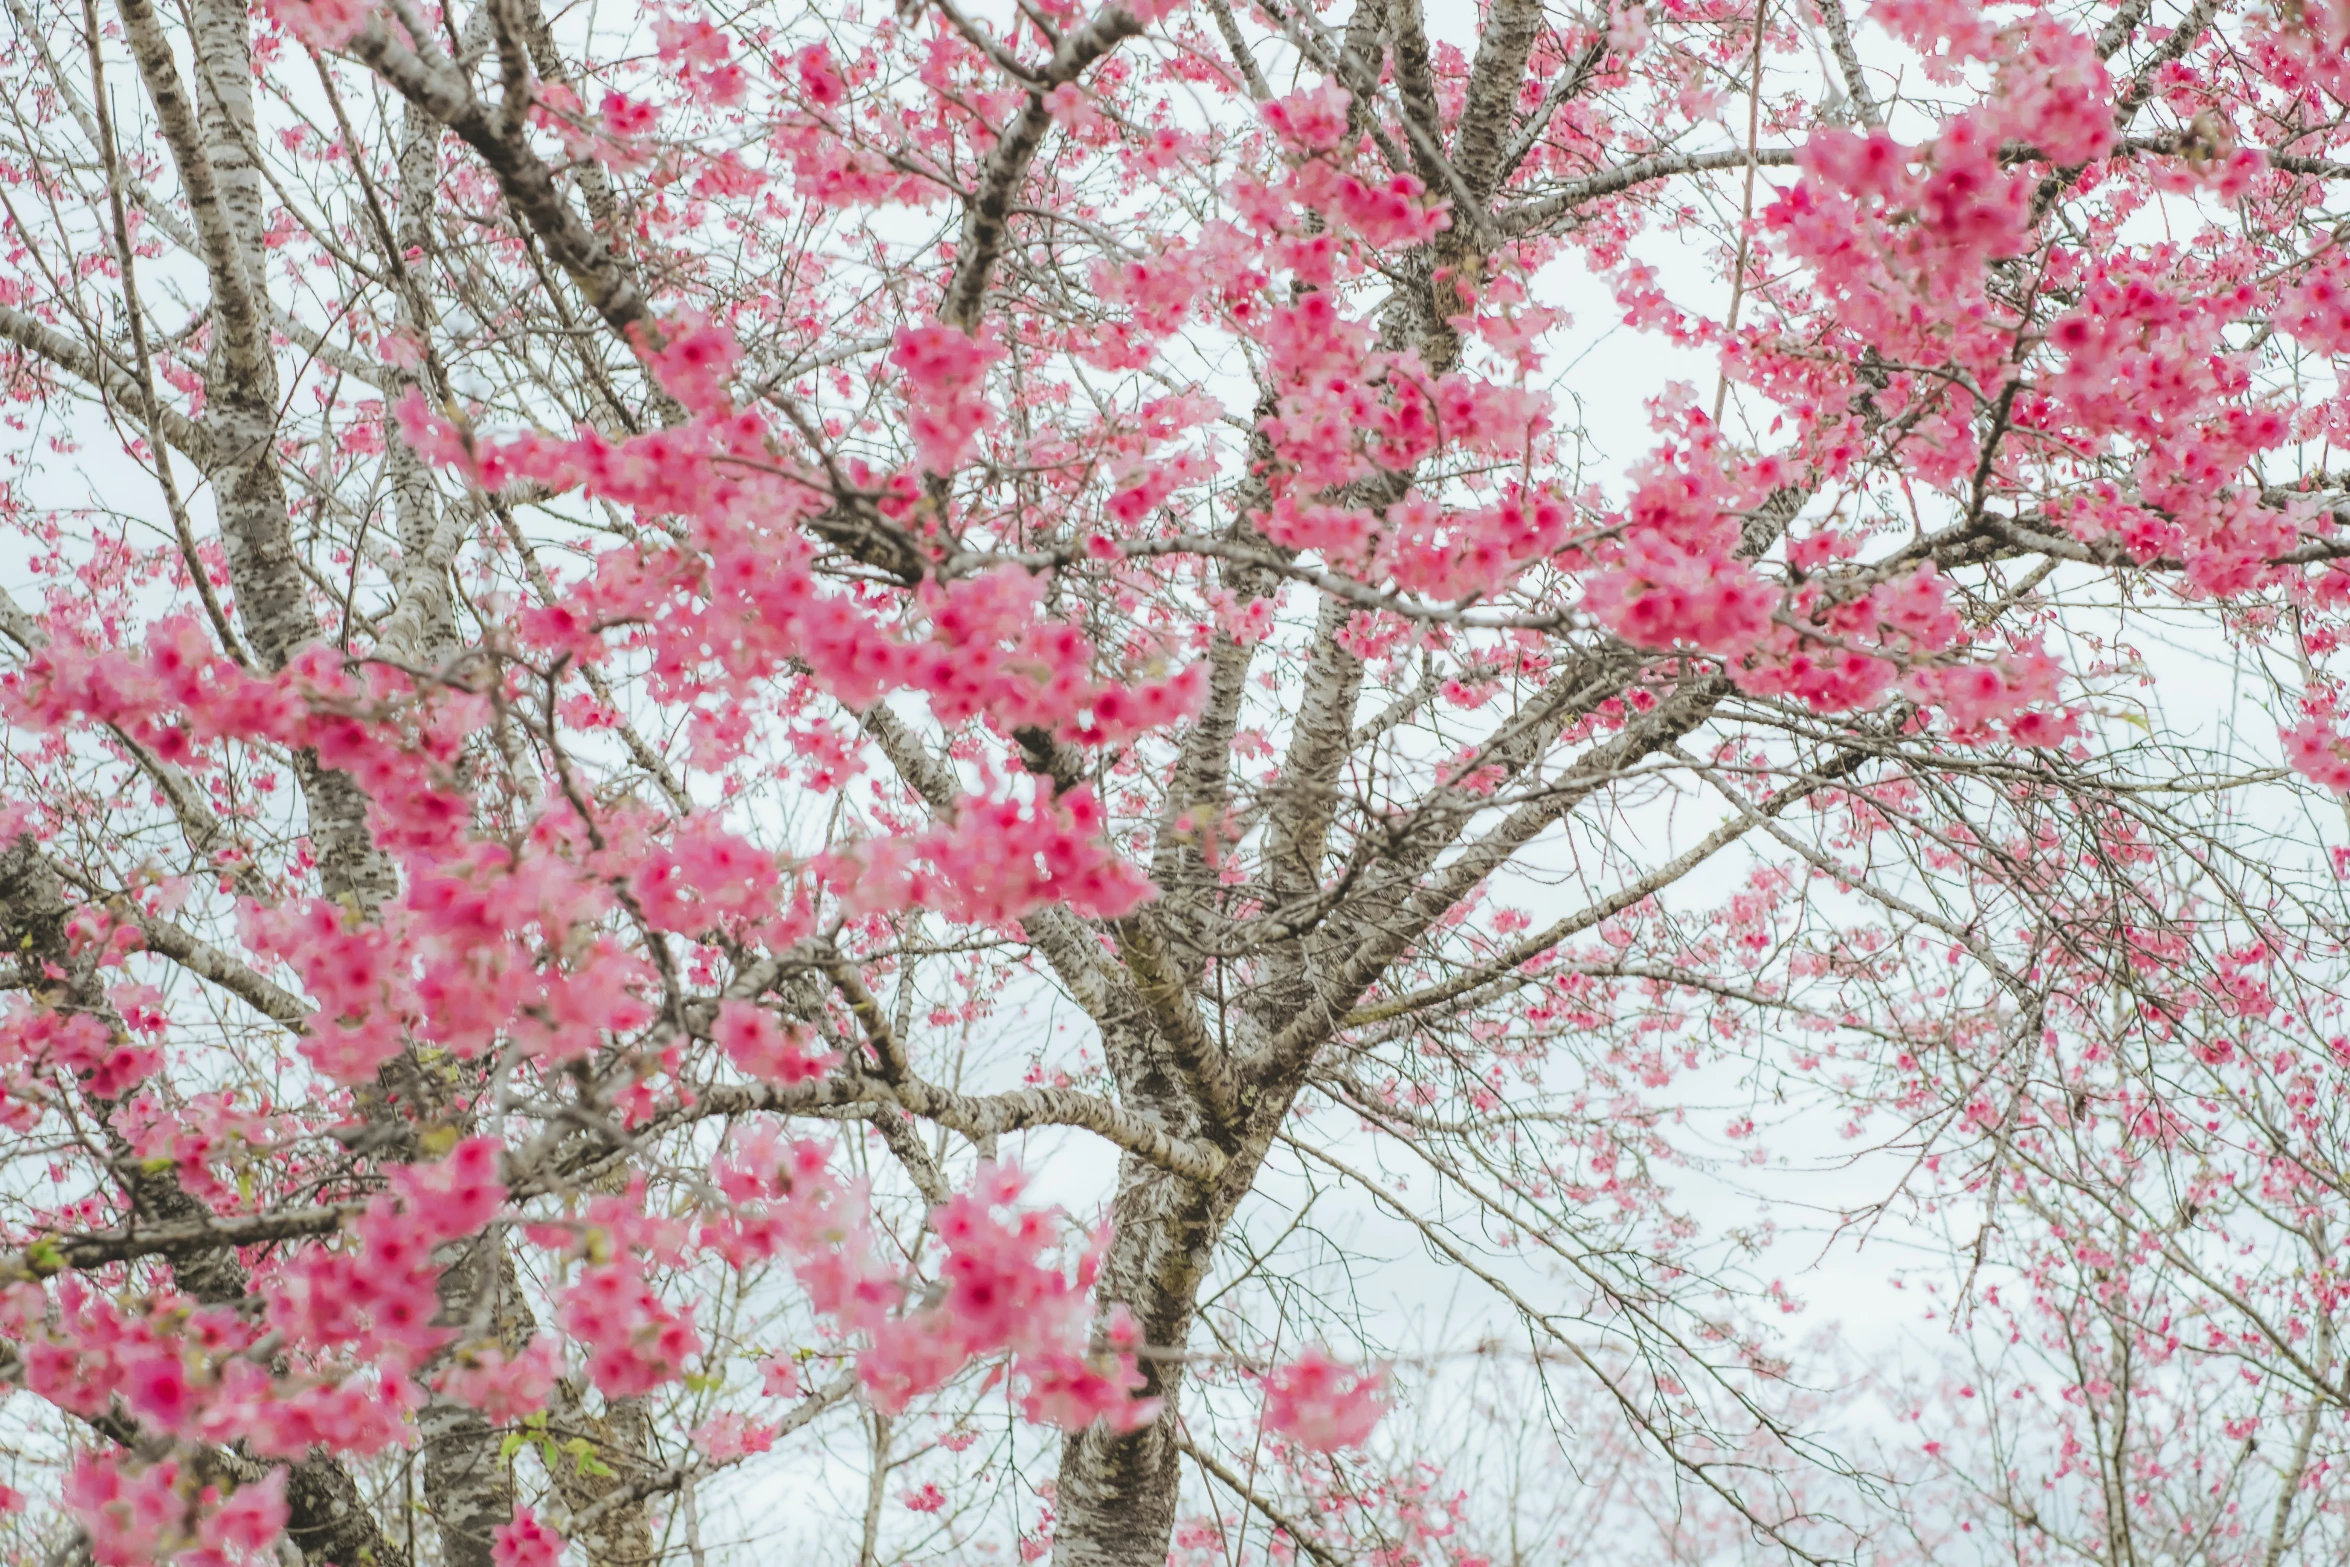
column 653, row 652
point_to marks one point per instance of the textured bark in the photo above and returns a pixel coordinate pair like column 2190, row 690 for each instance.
column 222, row 35
column 210, row 145
column 1116, row 1493
column 104, row 379
column 1201, row 785
column 435, row 87
column 421, row 629
column 1415, row 89
column 609, row 1518
column 1860, row 102
column 212, row 150
column 468, row 1486
column 1495, row 77
column 329, row 1521
column 595, row 186
column 1302, row 816
column 612, row 1525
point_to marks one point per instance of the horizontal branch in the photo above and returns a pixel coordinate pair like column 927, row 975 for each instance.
column 55, row 1254
column 105, row 380
column 982, row 1115
column 1640, row 171
column 1644, row 171
column 1159, row 984
column 202, row 959
column 975, row 1116
column 2021, row 536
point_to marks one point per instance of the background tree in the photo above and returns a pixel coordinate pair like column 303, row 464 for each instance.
column 604, row 588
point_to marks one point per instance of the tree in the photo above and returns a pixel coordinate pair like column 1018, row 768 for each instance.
column 606, row 589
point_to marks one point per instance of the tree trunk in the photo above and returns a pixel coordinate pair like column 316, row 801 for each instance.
column 1116, row 1496
column 1117, row 1491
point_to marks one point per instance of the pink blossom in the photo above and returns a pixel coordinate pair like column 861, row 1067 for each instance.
column 249, row 1524
column 999, row 860
column 456, row 1194
column 779, row 1377
column 1976, row 696
column 323, row 24
column 158, row 1391
column 728, row 1437
column 1662, row 596
column 131, row 1516
column 635, row 1341
column 945, row 399
column 2054, row 94
column 1310, row 120
column 766, row 1049
column 525, row 1542
column 1073, row 109
column 819, row 76
column 2318, row 752
column 1142, row 683
column 505, row 1388
column 624, row 117
column 1320, row 1404
column 703, row 56
column 695, row 362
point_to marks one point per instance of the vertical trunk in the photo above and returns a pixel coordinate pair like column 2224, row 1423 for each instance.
column 877, row 1427
column 421, row 629
column 215, row 157
column 241, row 383
column 467, row 1485
column 222, row 35
column 1116, row 1493
column 607, row 1533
